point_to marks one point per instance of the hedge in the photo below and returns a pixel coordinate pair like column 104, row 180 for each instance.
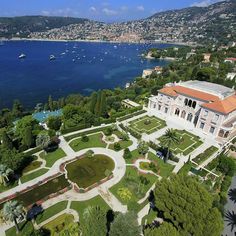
column 76, row 128
column 131, row 115
column 33, row 151
column 68, row 138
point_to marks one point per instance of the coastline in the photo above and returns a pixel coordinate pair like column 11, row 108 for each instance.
column 191, row 44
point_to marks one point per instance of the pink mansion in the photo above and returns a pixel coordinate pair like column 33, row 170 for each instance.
column 201, row 105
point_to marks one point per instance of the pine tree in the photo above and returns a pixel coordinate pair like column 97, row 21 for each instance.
column 93, row 102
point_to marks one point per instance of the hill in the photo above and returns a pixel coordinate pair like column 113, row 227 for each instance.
column 213, row 24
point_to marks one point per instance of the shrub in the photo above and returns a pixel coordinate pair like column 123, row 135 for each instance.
column 108, row 131
column 124, row 194
column 85, row 138
column 127, row 154
column 117, row 147
column 89, row 153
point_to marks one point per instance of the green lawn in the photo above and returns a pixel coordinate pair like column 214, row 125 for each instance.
column 26, row 228
column 33, row 175
column 59, row 224
column 135, row 155
column 164, row 169
column 88, row 171
column 42, row 191
column 51, row 211
column 95, row 140
column 52, row 157
column 32, row 166
column 131, row 180
column 187, row 143
column 205, row 155
column 123, row 144
column 81, row 206
column 11, row 185
column 147, row 124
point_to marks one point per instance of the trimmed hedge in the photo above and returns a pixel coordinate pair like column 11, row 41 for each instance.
column 33, row 151
column 76, row 128
column 68, row 138
column 131, row 115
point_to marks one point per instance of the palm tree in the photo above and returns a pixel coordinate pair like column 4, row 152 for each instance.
column 230, row 217
column 232, row 195
column 12, row 210
column 4, row 173
column 169, row 138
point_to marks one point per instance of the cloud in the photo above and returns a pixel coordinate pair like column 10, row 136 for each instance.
column 109, row 12
column 45, row 13
column 93, row 9
column 60, row 12
column 124, row 8
column 140, row 8
column 205, row 3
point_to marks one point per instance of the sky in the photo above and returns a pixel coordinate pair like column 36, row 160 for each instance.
column 102, row 10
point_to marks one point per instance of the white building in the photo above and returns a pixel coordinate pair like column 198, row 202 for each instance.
column 207, row 107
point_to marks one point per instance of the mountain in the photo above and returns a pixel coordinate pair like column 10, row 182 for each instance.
column 213, row 24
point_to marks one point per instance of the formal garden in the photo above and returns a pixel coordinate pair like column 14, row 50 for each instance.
column 89, row 170
column 187, row 142
column 147, row 124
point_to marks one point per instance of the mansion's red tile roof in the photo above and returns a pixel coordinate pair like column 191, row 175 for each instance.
column 175, row 90
column 223, row 106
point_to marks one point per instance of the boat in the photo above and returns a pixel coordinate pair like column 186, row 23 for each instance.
column 52, row 57
column 22, row 56
column 1, row 43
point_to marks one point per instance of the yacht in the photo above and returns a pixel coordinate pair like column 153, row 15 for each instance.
column 52, row 57
column 22, row 56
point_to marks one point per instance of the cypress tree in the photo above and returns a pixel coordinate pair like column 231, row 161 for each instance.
column 50, row 103
column 27, row 139
column 93, row 102
column 6, row 141
column 98, row 104
column 103, row 107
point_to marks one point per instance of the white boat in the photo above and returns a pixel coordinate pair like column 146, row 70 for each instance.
column 52, row 57
column 1, row 43
column 22, row 56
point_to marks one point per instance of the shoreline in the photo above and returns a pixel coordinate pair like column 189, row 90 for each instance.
column 101, row 41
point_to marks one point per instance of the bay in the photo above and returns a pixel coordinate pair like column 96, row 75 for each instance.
column 80, row 67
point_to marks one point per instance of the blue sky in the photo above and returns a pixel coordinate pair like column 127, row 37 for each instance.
column 103, row 10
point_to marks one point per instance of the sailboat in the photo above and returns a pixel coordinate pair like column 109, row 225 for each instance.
column 22, row 56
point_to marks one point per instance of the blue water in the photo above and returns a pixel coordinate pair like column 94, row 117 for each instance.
column 82, row 68
column 44, row 115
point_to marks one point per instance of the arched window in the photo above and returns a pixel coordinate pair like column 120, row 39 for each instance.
column 177, row 111
column 154, row 106
column 186, row 101
column 183, row 114
column 190, row 103
column 226, row 134
column 190, row 117
column 194, row 105
column 221, row 133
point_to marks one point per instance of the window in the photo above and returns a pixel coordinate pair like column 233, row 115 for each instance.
column 190, row 103
column 159, row 107
column 194, row 105
column 212, row 130
column 186, row 102
column 177, row 111
column 205, row 113
column 216, row 117
column 166, row 109
column 202, row 125
column 154, row 106
column 190, row 117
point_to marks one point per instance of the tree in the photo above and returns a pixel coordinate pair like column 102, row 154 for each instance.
column 27, row 137
column 117, row 146
column 125, row 224
column 95, row 219
column 12, row 210
column 89, row 153
column 124, row 194
column 50, row 103
column 42, row 140
column 230, row 217
column 85, row 138
column 143, row 147
column 4, row 174
column 103, row 106
column 93, row 102
column 17, row 109
column 6, row 141
column 165, row 229
column 71, row 230
column 186, row 204
column 127, row 154
column 226, row 165
column 232, row 195
column 97, row 110
column 54, row 122
column 169, row 138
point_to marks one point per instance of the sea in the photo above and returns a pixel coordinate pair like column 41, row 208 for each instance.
column 79, row 67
